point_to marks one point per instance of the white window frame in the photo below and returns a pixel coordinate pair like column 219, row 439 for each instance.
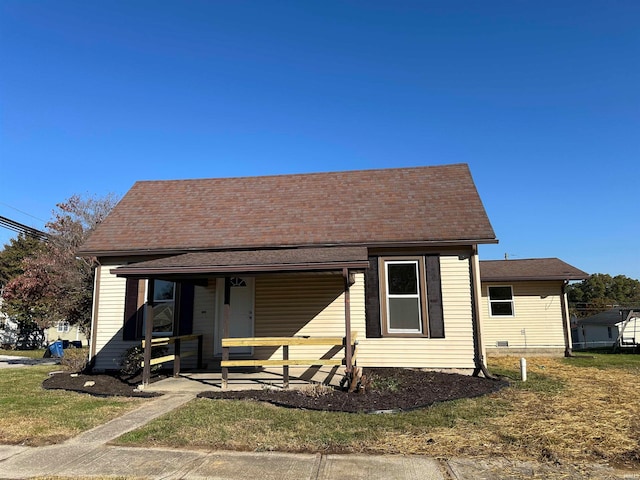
column 490, row 301
column 157, row 302
column 420, row 296
column 63, row 327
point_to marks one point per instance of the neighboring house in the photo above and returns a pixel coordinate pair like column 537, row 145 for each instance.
column 66, row 332
column 12, row 336
column 8, row 330
column 390, row 254
column 602, row 330
column 524, row 305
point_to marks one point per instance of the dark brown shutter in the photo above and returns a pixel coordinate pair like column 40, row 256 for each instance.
column 434, row 297
column 185, row 310
column 130, row 327
column 372, row 299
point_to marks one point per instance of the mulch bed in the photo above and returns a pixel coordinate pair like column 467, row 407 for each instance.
column 104, row 385
column 393, row 389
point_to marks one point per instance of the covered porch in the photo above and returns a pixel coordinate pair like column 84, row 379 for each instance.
column 262, row 359
column 248, row 379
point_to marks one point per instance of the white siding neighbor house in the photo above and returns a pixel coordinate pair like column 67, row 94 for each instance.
column 604, row 329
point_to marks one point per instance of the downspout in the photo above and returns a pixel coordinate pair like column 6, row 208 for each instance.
column 568, row 352
column 94, row 316
column 475, row 313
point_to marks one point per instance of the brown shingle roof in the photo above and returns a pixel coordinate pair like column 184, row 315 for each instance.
column 288, row 259
column 529, row 269
column 366, row 207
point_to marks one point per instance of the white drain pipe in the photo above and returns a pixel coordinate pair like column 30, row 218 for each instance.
column 523, row 369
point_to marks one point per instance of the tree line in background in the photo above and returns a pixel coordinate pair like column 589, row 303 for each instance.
column 45, row 282
column 602, row 292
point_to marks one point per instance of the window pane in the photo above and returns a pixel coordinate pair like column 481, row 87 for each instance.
column 501, row 308
column 403, row 278
column 163, row 317
column 404, row 314
column 162, row 290
column 500, row 293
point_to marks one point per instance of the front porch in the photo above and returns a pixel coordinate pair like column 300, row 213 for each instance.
column 285, row 308
column 247, row 379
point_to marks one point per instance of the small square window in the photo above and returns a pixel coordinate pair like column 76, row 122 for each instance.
column 501, row 301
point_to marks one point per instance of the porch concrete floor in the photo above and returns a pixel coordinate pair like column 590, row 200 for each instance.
column 196, row 382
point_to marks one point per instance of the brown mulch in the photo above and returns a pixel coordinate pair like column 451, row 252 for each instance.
column 392, row 389
column 106, row 384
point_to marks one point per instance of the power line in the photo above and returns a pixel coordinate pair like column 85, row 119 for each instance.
column 21, row 228
column 21, row 211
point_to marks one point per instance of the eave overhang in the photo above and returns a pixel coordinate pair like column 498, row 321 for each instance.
column 198, row 264
column 179, row 251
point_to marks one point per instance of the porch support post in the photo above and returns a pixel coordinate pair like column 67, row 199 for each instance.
column 176, row 360
column 199, row 352
column 225, row 329
column 148, row 335
column 347, row 321
column 285, row 367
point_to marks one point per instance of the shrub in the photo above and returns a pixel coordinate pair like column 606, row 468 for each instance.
column 75, row 359
column 132, row 359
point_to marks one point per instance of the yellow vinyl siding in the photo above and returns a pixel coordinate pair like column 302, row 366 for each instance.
column 537, row 309
column 305, row 304
column 311, row 304
column 110, row 318
column 454, row 351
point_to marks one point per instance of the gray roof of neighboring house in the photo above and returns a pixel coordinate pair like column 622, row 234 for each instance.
column 391, row 207
column 607, row 318
column 529, row 269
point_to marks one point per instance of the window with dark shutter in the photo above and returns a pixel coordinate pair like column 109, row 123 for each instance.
column 372, row 300
column 132, row 314
column 410, row 296
column 185, row 310
column 434, row 297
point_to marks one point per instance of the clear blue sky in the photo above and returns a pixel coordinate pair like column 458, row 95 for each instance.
column 541, row 99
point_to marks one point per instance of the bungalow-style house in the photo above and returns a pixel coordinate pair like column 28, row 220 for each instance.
column 604, row 329
column 524, row 306
column 385, row 258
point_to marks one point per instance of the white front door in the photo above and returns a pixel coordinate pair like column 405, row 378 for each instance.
column 241, row 318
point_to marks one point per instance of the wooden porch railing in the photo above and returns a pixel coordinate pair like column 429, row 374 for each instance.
column 178, row 354
column 285, row 343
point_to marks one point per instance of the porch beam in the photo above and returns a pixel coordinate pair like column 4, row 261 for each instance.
column 347, row 320
column 225, row 330
column 148, row 335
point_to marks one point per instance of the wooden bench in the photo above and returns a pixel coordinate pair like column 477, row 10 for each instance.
column 286, row 362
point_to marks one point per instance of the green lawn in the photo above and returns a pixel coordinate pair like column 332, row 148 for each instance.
column 605, row 361
column 34, row 416
column 23, row 353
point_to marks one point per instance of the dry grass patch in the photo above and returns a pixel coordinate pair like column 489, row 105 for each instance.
column 595, row 417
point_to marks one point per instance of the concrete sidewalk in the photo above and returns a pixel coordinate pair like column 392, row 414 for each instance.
column 89, row 455
column 10, row 361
